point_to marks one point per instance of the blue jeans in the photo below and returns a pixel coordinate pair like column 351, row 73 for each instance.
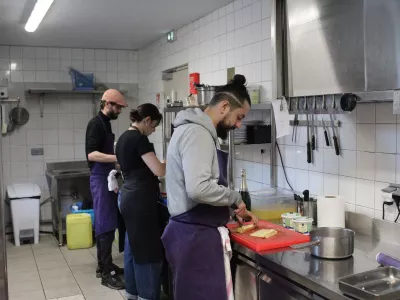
column 142, row 281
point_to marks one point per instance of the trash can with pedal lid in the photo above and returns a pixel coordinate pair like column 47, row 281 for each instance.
column 24, row 200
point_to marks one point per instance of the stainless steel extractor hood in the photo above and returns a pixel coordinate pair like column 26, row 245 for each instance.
column 337, row 46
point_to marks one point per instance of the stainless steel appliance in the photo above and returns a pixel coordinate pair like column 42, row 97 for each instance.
column 342, row 46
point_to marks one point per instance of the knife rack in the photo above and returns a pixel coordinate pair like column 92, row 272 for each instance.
column 317, row 105
column 336, row 124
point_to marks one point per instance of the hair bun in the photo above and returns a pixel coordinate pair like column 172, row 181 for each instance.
column 238, row 80
column 135, row 116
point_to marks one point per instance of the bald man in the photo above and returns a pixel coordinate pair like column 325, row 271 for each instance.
column 101, row 160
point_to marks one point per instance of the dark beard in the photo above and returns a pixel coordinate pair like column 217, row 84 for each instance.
column 223, row 130
column 112, row 115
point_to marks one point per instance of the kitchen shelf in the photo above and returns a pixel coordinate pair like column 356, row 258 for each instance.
column 62, row 92
column 179, row 108
column 43, row 92
column 261, row 106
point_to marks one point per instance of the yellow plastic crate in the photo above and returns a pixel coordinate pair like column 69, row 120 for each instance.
column 79, row 231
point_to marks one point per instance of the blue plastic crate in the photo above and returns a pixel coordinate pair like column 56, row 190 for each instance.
column 82, row 211
column 82, row 82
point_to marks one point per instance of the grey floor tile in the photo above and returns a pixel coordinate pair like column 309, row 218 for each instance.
column 19, row 252
column 106, row 295
column 76, row 297
column 27, row 286
column 65, row 291
column 84, row 268
column 89, row 284
column 37, row 295
column 52, row 273
column 75, row 259
column 19, row 268
column 39, row 258
column 55, row 264
column 23, row 276
column 58, row 282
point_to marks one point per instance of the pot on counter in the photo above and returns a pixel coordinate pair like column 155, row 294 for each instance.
column 330, row 242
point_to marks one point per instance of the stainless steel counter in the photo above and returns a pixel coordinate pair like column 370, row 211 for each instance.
column 77, row 174
column 321, row 275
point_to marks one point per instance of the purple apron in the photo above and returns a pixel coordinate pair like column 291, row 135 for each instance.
column 194, row 250
column 104, row 202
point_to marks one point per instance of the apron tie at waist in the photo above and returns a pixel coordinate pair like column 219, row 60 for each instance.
column 227, row 249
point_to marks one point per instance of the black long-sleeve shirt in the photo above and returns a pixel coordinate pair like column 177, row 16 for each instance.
column 96, row 135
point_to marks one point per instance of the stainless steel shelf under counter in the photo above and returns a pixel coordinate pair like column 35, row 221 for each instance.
column 288, row 274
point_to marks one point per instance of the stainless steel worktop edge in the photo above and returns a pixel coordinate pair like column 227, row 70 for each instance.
column 320, row 275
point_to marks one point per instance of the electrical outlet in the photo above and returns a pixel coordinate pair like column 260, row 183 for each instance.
column 37, row 151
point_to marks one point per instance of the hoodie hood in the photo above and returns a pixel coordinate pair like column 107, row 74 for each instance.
column 195, row 116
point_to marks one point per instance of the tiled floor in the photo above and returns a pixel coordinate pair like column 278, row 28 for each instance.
column 46, row 271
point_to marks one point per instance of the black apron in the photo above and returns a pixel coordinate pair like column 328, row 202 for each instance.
column 139, row 207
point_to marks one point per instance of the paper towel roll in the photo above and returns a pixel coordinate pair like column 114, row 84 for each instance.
column 331, row 211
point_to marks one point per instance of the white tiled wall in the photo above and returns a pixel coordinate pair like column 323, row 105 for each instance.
column 369, row 160
column 238, row 35
column 40, row 64
column 61, row 130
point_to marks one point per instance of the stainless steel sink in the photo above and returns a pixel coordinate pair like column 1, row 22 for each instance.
column 59, row 175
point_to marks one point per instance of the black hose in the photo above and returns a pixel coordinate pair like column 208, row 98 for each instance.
column 283, row 166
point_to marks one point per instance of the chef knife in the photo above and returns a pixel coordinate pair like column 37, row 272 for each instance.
column 308, row 141
column 335, row 140
column 325, row 132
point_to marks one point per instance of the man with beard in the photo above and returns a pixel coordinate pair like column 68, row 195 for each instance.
column 101, row 160
column 198, row 196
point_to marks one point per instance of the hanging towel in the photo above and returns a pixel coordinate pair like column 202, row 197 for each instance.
column 112, row 181
column 226, row 245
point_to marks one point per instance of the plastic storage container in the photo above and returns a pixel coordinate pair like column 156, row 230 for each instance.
column 269, row 204
column 82, row 82
column 303, row 225
column 81, row 211
column 79, row 231
column 25, row 211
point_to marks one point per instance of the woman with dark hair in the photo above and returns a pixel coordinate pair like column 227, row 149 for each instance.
column 138, row 204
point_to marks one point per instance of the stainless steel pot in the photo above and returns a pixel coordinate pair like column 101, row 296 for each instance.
column 210, row 93
column 201, row 95
column 330, row 242
column 205, row 93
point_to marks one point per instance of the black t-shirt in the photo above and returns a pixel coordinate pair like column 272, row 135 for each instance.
column 131, row 146
column 96, row 134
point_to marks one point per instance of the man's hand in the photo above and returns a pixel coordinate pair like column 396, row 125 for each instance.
column 241, row 210
column 254, row 219
column 242, row 213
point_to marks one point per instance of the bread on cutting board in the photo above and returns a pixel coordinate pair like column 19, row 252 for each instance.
column 245, row 228
column 264, row 233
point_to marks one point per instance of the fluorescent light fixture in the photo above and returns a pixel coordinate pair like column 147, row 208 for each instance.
column 37, row 15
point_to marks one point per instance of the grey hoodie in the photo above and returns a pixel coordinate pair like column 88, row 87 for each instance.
column 192, row 165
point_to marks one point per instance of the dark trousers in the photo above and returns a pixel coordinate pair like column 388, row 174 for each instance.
column 104, row 243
